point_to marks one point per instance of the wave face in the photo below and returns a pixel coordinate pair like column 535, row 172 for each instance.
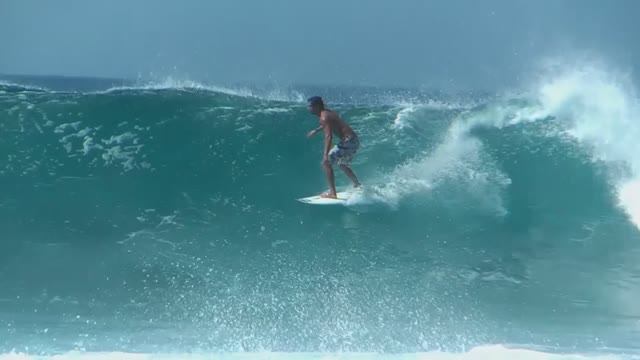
column 162, row 219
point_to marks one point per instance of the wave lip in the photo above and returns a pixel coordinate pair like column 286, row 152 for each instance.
column 12, row 86
column 171, row 83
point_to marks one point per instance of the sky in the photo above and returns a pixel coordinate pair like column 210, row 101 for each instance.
column 462, row 44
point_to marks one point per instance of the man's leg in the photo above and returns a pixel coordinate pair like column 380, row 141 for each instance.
column 347, row 170
column 330, row 179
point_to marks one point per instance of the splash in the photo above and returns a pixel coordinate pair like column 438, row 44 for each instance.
column 600, row 109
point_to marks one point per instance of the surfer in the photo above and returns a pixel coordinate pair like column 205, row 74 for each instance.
column 342, row 153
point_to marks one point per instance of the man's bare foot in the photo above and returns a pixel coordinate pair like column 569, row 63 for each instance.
column 329, row 195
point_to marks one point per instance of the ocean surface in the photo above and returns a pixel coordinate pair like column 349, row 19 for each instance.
column 159, row 220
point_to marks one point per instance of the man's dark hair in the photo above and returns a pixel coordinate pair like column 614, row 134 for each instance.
column 315, row 100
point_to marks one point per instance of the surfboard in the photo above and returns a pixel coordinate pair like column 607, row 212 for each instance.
column 343, row 197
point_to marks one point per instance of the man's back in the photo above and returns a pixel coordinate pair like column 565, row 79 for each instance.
column 338, row 126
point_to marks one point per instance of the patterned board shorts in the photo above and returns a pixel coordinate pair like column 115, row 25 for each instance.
column 343, row 152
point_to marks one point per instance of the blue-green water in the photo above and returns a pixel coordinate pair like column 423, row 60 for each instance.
column 162, row 220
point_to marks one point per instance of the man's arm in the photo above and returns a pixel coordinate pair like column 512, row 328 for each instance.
column 314, row 131
column 328, row 135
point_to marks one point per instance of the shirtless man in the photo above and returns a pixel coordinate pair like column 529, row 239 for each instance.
column 342, row 153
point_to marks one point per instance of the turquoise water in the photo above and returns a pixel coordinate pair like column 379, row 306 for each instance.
column 161, row 219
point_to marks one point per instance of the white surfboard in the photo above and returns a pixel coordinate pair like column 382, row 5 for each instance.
column 343, row 198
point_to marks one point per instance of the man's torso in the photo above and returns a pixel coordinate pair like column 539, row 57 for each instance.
column 339, row 126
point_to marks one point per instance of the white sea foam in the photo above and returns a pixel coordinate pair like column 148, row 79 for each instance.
column 488, row 352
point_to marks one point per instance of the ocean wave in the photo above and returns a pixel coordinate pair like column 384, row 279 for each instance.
column 480, row 222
